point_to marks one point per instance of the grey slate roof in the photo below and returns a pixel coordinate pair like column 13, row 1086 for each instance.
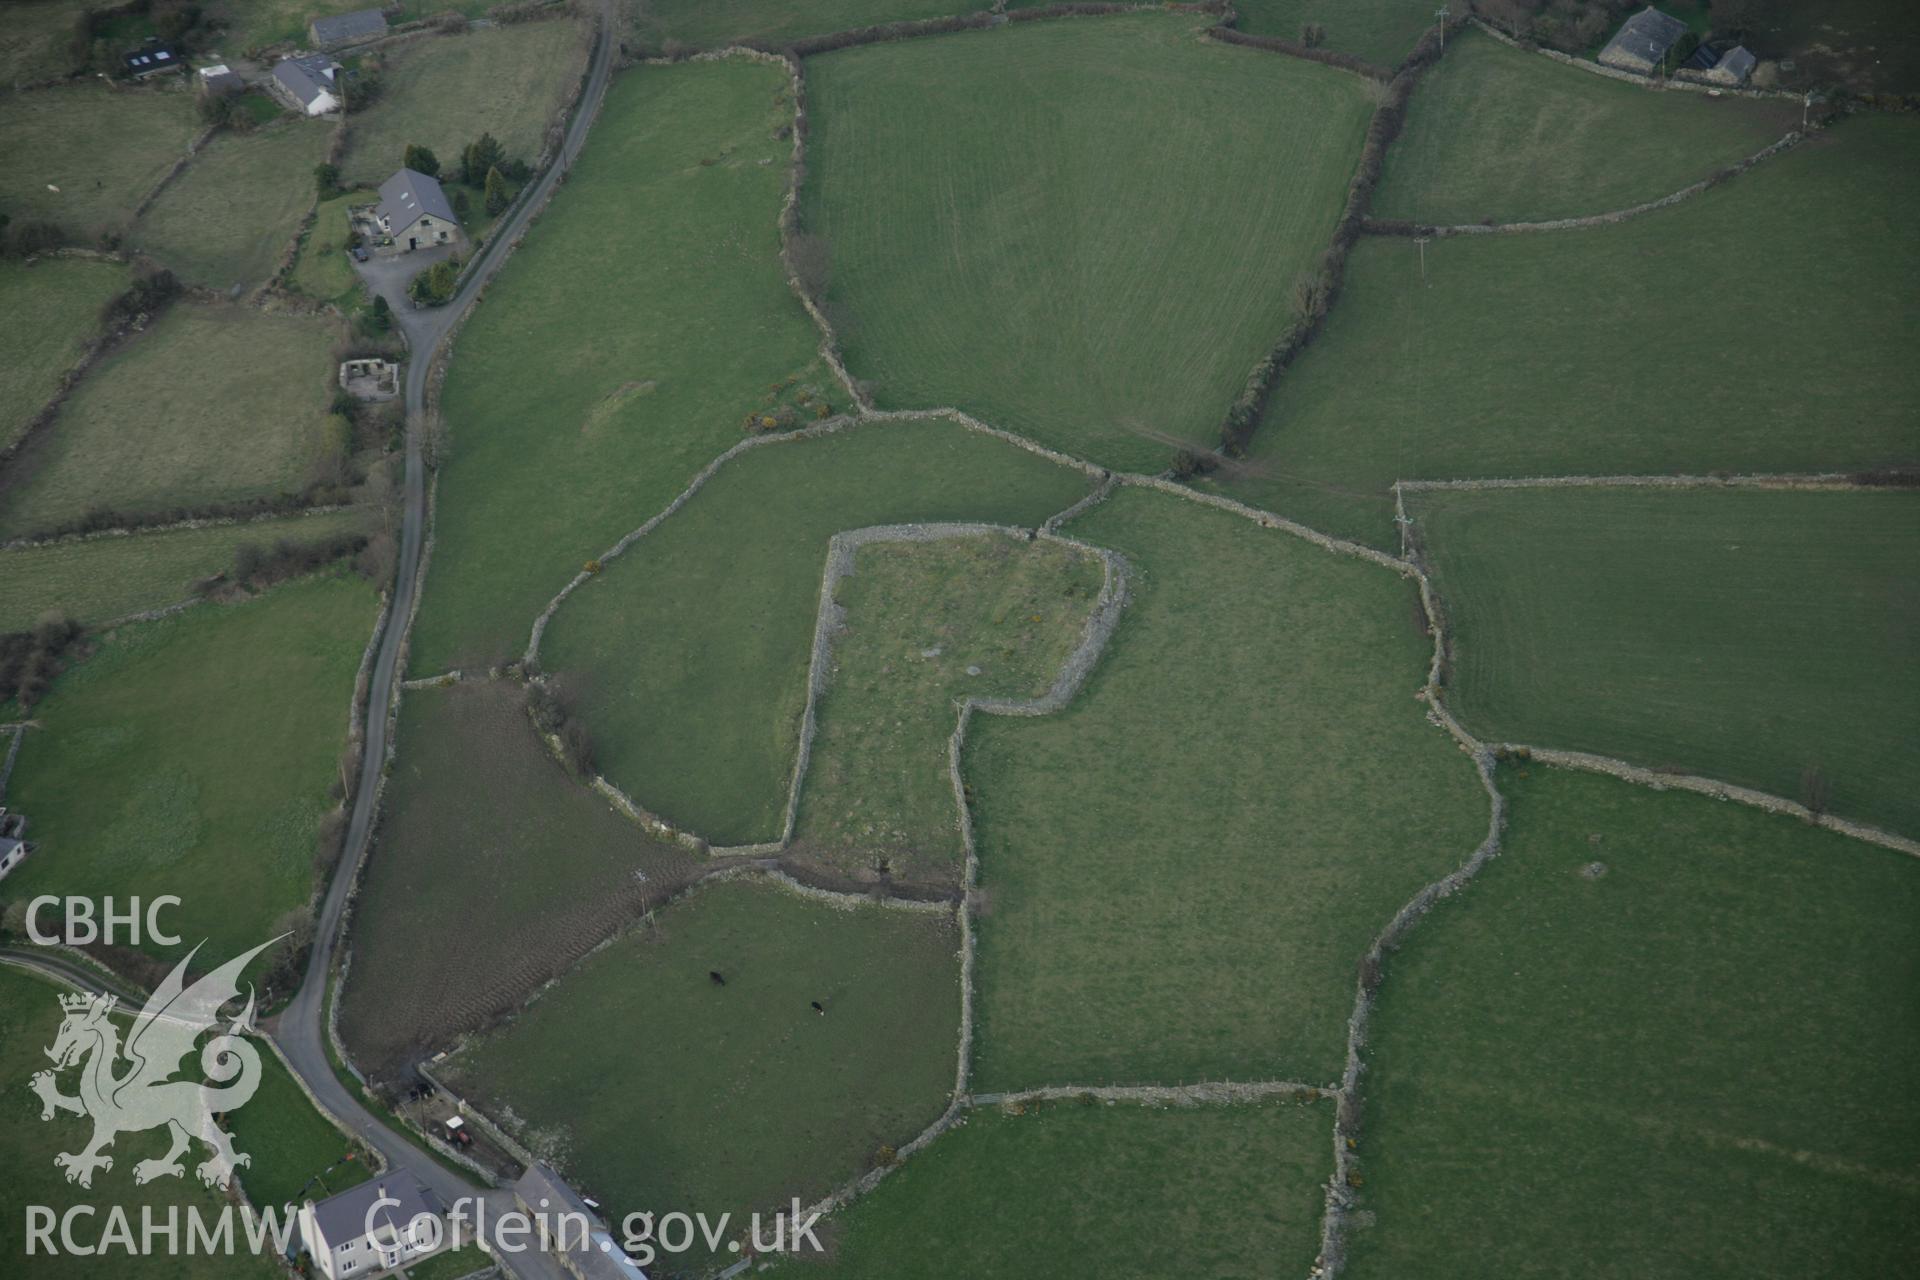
column 542, row 1191
column 539, row 1183
column 344, row 1217
column 8, row 844
column 307, row 76
column 1738, row 64
column 1647, row 35
column 344, row 27
column 408, row 194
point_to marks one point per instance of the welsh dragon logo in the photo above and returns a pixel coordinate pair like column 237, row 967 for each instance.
column 129, row 1088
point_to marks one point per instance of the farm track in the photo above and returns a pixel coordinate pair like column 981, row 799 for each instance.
column 303, row 1023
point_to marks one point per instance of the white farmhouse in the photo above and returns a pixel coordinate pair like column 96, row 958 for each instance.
column 358, row 1232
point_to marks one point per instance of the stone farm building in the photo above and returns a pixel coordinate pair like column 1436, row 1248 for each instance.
column 309, row 83
column 347, row 28
column 415, row 212
column 220, row 80
column 1713, row 66
column 1643, row 41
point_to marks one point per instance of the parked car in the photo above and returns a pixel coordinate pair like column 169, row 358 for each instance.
column 359, row 253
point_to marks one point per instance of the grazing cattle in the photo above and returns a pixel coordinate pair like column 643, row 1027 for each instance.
column 718, row 981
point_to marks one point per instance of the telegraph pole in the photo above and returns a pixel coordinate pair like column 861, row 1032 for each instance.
column 1440, row 19
column 1422, row 242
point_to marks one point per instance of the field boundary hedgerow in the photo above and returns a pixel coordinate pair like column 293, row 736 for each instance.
column 1316, row 298
column 1410, row 227
column 15, row 734
column 1201, row 1091
column 262, row 516
column 132, row 314
column 1662, row 780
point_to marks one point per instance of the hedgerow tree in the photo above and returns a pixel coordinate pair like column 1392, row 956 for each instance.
column 422, row 160
column 497, row 194
column 479, row 159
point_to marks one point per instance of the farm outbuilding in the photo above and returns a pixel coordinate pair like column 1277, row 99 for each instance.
column 1642, row 41
column 309, row 82
column 1733, row 67
column 347, row 28
column 220, row 81
column 153, row 58
column 12, row 852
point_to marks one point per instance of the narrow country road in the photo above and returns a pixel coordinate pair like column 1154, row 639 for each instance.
column 302, row 1034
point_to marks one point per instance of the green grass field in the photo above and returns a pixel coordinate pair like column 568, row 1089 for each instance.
column 620, row 349
column 1183, row 868
column 64, row 298
column 98, row 580
column 1496, row 132
column 1108, row 1190
column 1083, row 231
column 443, row 93
column 928, row 624
column 1699, row 1063
column 690, row 653
column 1747, row 635
column 229, row 217
column 211, row 404
column 322, row 270
column 297, row 1153
column 29, row 1019
column 192, row 756
column 712, row 24
column 1381, row 31
column 34, row 40
column 657, row 1089
column 103, row 149
column 465, row 908
column 1614, row 350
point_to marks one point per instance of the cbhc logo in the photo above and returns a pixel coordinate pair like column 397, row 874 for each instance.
column 82, row 926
